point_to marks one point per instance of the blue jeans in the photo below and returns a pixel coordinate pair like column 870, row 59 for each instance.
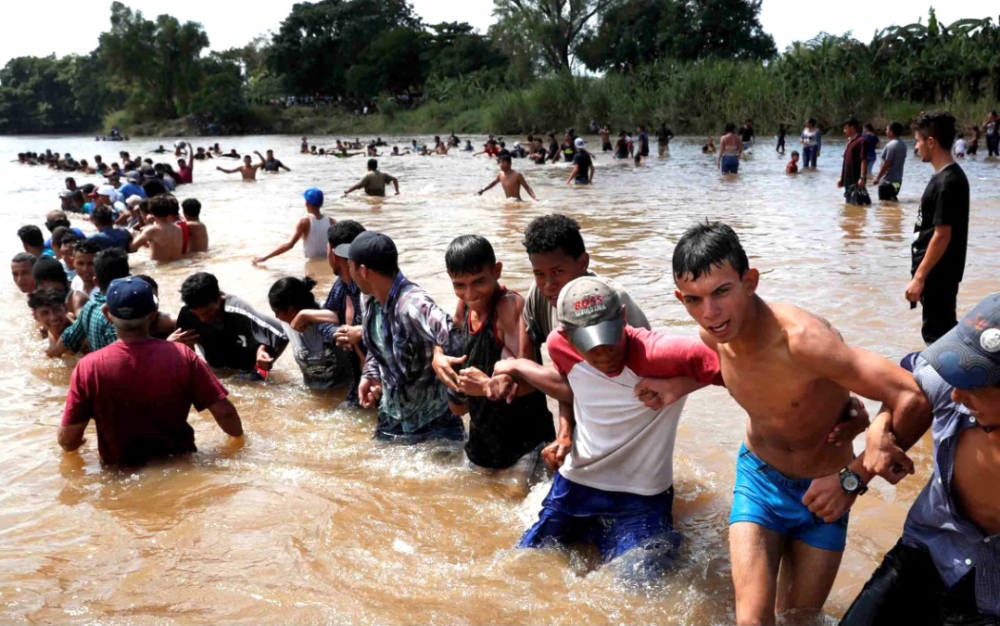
column 809, row 154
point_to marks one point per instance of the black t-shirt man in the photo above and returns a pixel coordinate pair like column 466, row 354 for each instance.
column 553, row 150
column 233, row 342
column 746, row 134
column 583, row 161
column 569, row 152
column 945, row 203
column 272, row 165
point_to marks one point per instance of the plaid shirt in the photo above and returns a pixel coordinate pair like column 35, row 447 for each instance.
column 91, row 325
column 955, row 544
column 400, row 355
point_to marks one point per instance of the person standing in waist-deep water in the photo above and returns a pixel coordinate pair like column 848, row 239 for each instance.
column 311, row 229
column 889, row 179
column 140, row 390
column 747, row 135
column 854, row 172
column 512, row 181
column 730, row 151
column 992, row 129
column 782, row 133
column 811, row 140
column 583, row 165
column 663, row 137
column 504, row 433
column 375, row 181
column 945, row 569
column 402, row 328
column 871, row 146
column 606, row 138
column 794, row 486
column 941, row 234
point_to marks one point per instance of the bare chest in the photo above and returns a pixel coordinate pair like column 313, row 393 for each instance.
column 976, row 479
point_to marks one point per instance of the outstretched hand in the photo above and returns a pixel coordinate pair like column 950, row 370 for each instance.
column 444, row 367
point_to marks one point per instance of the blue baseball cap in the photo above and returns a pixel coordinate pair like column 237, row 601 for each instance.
column 314, row 197
column 130, row 298
column 968, row 357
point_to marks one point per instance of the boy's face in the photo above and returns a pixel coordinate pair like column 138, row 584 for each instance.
column 211, row 312
column 718, row 301
column 553, row 270
column 67, row 252
column 504, row 165
column 983, row 403
column 925, row 146
column 795, row 158
column 606, row 359
column 284, row 315
column 51, row 317
column 476, row 290
column 246, row 161
column 23, row 278
column 84, row 266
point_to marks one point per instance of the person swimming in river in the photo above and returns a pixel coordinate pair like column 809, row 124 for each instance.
column 511, row 180
column 709, row 148
column 248, row 169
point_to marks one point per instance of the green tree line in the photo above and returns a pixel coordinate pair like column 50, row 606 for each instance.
column 544, row 64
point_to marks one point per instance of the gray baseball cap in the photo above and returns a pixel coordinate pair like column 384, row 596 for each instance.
column 591, row 313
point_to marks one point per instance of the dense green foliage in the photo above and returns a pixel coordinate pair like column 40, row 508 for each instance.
column 693, row 63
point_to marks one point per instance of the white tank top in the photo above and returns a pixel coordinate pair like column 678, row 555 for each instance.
column 315, row 244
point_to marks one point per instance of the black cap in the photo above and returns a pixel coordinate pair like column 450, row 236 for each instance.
column 376, row 251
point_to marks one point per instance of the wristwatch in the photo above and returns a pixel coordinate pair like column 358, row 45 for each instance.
column 850, row 482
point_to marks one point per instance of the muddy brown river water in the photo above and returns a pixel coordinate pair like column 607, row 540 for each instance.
column 311, row 521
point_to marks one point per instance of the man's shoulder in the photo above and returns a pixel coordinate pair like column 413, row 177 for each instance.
column 805, row 331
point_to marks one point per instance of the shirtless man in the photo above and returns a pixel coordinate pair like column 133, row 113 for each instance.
column 167, row 241
column 512, row 181
column 197, row 231
column 793, row 490
column 248, row 169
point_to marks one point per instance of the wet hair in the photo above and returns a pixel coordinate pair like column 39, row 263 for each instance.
column 869, row 126
column 811, row 121
column 708, row 245
column 47, row 268
column 795, row 153
column 553, row 232
column 160, row 207
column 58, row 235
column 77, row 195
column 940, row 125
column 152, row 283
column 373, row 164
column 200, row 290
column 292, row 293
column 896, row 128
column 24, row 257
column 154, row 187
column 730, row 127
column 47, row 297
column 505, row 156
column 58, row 218
column 31, row 236
column 110, row 264
column 85, row 246
column 469, row 254
column 192, row 207
column 102, row 215
column 175, row 205
column 344, row 231
column 853, row 123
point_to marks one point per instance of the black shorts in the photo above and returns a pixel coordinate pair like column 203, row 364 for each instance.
column 907, row 589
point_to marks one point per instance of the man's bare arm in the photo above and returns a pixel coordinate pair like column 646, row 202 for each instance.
column 488, row 187
column 140, row 240
column 546, row 379
column 71, row 436
column 527, row 187
column 227, row 417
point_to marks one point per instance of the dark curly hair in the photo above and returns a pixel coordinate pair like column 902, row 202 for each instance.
column 549, row 233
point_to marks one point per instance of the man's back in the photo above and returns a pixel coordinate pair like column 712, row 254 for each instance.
column 140, row 394
column 198, row 234
column 374, row 183
column 166, row 242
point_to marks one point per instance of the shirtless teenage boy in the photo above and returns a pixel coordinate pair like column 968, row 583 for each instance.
column 793, row 490
column 511, row 180
column 197, row 231
column 248, row 169
column 166, row 240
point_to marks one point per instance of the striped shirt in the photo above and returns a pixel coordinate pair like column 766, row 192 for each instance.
column 91, row 325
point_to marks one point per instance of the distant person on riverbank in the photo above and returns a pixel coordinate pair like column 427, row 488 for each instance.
column 197, row 231
column 663, row 137
column 871, row 146
column 889, row 179
column 140, row 390
column 747, row 136
column 942, row 569
column 375, row 181
column 794, row 485
column 272, row 164
column 854, row 172
column 941, row 233
column 409, row 339
column 782, row 133
column 311, row 229
column 992, row 130
column 248, row 170
column 811, row 140
column 793, row 165
column 167, row 241
column 20, row 269
column 232, row 334
column 511, row 180
column 730, row 151
column 583, row 165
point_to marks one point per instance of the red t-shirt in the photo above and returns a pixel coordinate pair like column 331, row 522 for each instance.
column 792, row 168
column 140, row 394
column 185, row 175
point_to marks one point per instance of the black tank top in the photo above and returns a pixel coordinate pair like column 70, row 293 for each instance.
column 500, row 433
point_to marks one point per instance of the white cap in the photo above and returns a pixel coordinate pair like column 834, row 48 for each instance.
column 580, row 142
column 106, row 190
column 517, row 144
column 133, row 201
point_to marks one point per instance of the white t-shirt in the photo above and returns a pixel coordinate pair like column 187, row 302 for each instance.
column 77, row 285
column 619, row 444
column 810, row 137
column 959, row 146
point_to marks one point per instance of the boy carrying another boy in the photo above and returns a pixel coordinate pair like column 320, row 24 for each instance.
column 488, row 315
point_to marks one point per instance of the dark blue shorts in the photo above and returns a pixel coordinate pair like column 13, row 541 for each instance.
column 730, row 164
column 765, row 497
column 638, row 528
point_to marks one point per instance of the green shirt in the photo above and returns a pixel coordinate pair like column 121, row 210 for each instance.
column 91, row 325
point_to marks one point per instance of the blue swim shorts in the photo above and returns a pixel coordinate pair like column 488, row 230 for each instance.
column 765, row 497
column 638, row 528
column 730, row 164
